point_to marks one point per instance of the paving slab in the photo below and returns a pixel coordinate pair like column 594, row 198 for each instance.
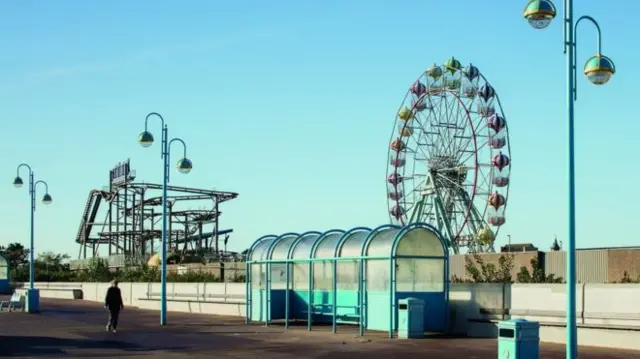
column 76, row 329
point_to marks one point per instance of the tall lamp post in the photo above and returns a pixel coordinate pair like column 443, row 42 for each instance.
column 32, row 296
column 599, row 69
column 184, row 166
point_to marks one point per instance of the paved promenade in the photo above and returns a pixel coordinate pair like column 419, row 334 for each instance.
column 76, row 329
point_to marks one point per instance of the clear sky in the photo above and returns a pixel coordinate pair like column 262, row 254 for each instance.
column 292, row 103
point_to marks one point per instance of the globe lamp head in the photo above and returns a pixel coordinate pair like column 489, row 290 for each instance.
column 599, row 69
column 46, row 199
column 185, row 165
column 17, row 182
column 145, row 139
column 539, row 13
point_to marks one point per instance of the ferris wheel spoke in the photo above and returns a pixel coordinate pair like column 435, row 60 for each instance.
column 462, row 140
column 419, row 150
column 466, row 132
column 478, row 131
column 424, row 146
column 466, row 144
column 434, row 122
column 415, row 189
column 469, row 155
column 435, row 137
column 450, row 127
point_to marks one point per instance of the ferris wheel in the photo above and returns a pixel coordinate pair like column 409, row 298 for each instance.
column 449, row 159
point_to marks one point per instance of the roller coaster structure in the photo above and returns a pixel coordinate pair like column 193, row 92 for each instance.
column 131, row 225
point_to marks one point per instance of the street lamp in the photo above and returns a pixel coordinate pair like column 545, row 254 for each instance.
column 599, row 69
column 184, row 166
column 32, row 300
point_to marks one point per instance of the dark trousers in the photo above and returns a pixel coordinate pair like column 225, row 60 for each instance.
column 114, row 313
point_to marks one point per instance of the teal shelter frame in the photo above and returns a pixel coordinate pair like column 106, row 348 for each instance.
column 5, row 275
column 349, row 277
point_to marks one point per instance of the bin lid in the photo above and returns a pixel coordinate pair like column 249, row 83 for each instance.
column 519, row 322
column 411, row 300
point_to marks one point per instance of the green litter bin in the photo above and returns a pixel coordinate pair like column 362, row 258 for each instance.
column 518, row 339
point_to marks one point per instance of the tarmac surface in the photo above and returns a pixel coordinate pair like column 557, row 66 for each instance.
column 76, row 329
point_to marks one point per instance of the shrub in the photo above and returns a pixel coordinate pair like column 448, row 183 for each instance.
column 536, row 275
column 487, row 272
column 626, row 278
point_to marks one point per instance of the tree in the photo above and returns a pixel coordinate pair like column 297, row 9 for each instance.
column 50, row 259
column 15, row 254
column 536, row 275
column 51, row 267
column 97, row 271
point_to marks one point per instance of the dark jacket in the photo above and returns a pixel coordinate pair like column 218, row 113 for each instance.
column 113, row 299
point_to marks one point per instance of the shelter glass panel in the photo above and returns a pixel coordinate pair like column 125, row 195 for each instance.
column 327, row 246
column 420, row 275
column 278, row 276
column 301, row 276
column 260, row 251
column 378, row 274
column 381, row 242
column 420, row 242
column 348, row 274
column 257, row 276
column 352, row 246
column 281, row 250
column 323, row 275
column 303, row 248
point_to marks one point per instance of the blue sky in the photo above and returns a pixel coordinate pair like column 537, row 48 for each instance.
column 292, row 103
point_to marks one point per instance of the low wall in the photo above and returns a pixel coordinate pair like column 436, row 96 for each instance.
column 608, row 314
column 57, row 293
column 204, row 298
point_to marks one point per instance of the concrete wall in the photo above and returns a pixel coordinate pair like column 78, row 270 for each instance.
column 608, row 314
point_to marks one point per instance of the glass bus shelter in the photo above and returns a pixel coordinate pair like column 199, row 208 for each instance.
column 354, row 276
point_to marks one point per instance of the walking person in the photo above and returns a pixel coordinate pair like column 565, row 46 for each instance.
column 113, row 302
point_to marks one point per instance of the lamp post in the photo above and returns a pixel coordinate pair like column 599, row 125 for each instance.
column 184, row 166
column 599, row 69
column 32, row 295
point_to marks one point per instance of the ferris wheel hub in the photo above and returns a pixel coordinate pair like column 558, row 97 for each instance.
column 448, row 169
